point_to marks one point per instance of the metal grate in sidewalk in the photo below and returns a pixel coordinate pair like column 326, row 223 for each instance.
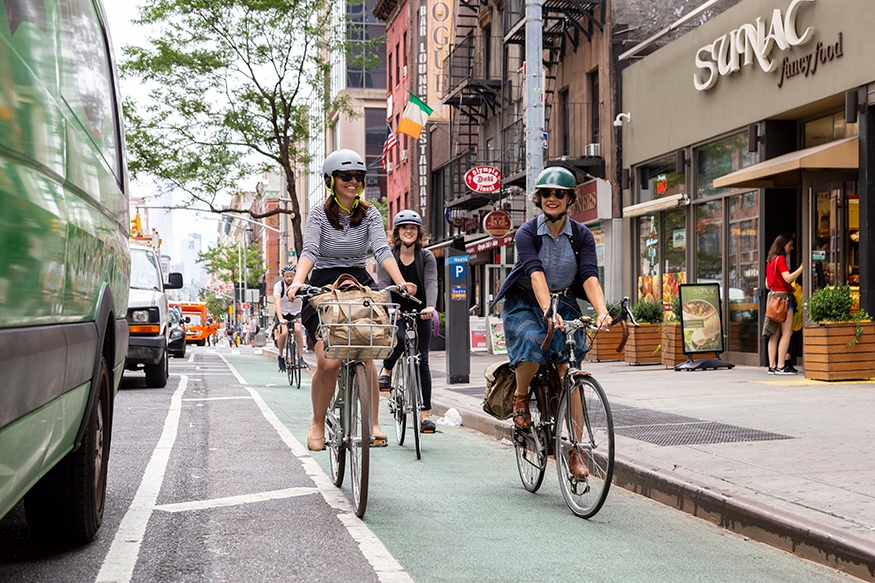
column 666, row 429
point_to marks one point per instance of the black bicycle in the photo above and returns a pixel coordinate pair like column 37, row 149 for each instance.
column 405, row 395
column 571, row 418
column 293, row 362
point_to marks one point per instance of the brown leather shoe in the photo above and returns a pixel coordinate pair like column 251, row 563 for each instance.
column 521, row 416
column 577, row 465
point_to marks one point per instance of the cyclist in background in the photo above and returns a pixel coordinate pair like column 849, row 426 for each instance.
column 285, row 310
column 336, row 242
column 418, row 266
column 555, row 254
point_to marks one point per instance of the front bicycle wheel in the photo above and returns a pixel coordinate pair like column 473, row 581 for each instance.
column 585, row 429
column 397, row 405
column 358, row 438
column 334, row 435
column 295, row 379
column 289, row 361
column 531, row 447
column 414, row 400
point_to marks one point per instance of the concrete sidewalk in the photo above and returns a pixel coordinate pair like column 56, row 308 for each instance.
column 784, row 460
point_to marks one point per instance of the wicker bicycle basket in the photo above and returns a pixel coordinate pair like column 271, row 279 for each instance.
column 359, row 329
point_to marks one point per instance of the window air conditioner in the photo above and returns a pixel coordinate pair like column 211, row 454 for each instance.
column 593, row 150
column 404, row 155
column 388, row 166
column 404, row 71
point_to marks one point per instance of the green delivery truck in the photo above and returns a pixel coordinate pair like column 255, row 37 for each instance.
column 64, row 262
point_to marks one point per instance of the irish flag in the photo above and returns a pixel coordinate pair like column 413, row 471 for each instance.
column 415, row 116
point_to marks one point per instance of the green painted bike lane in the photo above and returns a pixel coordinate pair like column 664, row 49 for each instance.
column 461, row 514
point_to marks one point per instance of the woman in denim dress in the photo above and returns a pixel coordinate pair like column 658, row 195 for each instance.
column 549, row 260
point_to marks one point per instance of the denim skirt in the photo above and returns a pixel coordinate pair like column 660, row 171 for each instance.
column 525, row 330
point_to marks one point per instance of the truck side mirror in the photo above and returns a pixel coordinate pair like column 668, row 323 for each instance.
column 174, row 281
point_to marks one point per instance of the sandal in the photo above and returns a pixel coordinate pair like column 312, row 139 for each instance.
column 521, row 417
column 577, row 465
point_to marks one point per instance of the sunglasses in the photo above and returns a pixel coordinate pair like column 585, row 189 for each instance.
column 348, row 176
column 555, row 193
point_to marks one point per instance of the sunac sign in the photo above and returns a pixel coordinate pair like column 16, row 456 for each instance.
column 750, row 43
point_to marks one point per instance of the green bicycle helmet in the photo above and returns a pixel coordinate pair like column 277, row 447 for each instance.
column 558, row 178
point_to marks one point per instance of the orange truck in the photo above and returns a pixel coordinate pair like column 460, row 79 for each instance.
column 197, row 327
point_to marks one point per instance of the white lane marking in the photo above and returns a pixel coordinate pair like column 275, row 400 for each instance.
column 217, row 399
column 237, row 500
column 191, row 358
column 118, row 565
column 384, row 564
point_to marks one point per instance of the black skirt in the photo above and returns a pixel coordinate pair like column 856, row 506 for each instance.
column 322, row 277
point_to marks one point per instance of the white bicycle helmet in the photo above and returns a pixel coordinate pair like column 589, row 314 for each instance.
column 407, row 218
column 343, row 160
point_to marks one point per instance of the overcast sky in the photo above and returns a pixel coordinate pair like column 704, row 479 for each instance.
column 119, row 14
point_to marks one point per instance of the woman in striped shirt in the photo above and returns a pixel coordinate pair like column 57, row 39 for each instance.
column 336, row 242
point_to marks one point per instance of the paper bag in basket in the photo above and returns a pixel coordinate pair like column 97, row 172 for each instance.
column 354, row 315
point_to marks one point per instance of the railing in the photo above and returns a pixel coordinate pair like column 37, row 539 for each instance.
column 513, row 156
column 465, row 63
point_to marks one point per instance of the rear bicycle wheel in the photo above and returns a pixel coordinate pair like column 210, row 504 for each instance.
column 397, row 405
column 584, row 425
column 414, row 400
column 358, row 438
column 531, row 446
column 334, row 435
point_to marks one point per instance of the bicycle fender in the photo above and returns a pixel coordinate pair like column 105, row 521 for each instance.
column 622, row 343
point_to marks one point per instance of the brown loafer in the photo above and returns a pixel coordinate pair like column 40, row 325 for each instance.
column 521, row 417
column 577, row 465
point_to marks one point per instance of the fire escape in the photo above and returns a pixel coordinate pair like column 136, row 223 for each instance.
column 474, row 94
column 566, row 25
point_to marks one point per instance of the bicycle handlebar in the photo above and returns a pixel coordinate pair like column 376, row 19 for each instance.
column 403, row 293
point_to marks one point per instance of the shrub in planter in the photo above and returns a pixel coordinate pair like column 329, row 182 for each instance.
column 835, row 347
column 833, row 304
column 649, row 312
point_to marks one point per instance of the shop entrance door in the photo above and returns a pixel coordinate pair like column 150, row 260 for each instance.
column 834, row 233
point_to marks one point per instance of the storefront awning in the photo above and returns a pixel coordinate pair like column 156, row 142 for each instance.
column 652, row 206
column 782, row 171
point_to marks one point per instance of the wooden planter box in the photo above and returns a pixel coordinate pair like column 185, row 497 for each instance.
column 829, row 358
column 643, row 344
column 604, row 349
column 673, row 346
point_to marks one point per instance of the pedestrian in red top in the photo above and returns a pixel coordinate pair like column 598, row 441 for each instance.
column 779, row 279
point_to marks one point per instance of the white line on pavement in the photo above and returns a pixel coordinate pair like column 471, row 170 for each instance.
column 217, row 398
column 236, row 500
column 384, row 564
column 118, row 565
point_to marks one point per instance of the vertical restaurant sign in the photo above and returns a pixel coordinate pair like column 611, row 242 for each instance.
column 439, row 38
column 701, row 325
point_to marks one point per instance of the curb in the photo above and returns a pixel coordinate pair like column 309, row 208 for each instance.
column 782, row 530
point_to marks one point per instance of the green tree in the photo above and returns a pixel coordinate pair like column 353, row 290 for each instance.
column 232, row 84
column 224, row 261
column 217, row 304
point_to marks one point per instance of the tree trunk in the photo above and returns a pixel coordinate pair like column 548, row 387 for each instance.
column 297, row 233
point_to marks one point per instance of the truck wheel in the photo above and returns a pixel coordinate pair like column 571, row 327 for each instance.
column 67, row 504
column 156, row 374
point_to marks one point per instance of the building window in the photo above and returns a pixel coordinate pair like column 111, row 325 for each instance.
column 366, row 60
column 658, row 179
column 389, row 72
column 375, row 137
column 487, row 50
column 565, row 120
column 719, row 159
column 828, row 129
column 594, row 109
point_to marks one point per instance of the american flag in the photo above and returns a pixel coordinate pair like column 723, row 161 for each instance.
column 391, row 142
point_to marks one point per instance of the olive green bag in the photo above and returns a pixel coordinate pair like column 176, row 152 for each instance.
column 500, row 386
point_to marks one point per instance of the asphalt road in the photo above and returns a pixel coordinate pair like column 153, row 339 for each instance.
column 208, row 481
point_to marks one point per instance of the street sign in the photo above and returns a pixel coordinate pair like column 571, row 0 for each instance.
column 458, row 266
